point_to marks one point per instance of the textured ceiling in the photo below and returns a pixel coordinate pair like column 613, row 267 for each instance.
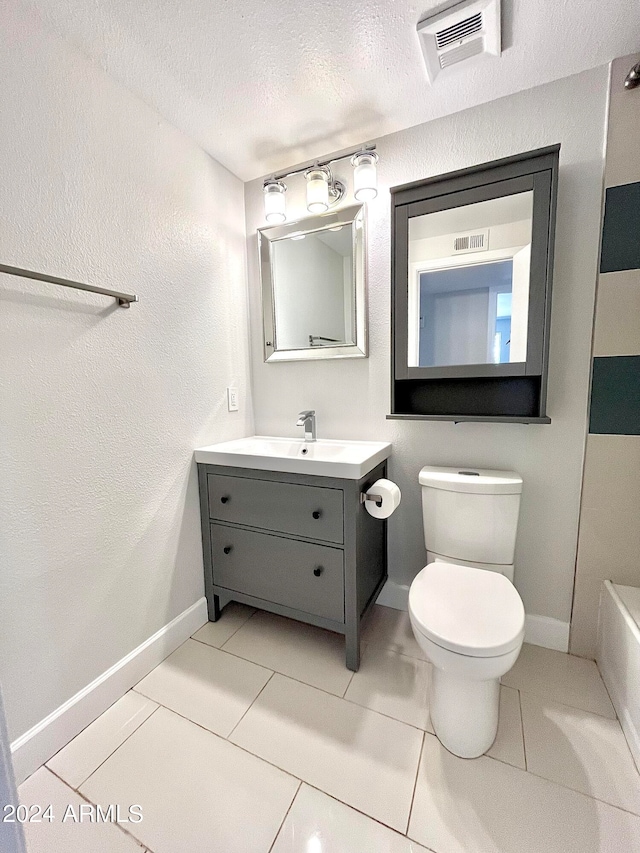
column 264, row 84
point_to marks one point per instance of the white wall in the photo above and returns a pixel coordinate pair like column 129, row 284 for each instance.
column 102, row 407
column 459, row 324
column 352, row 397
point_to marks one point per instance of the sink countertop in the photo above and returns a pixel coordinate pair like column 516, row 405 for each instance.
column 349, row 460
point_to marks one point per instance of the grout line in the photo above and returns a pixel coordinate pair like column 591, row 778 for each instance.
column 524, row 739
column 546, row 697
column 234, row 744
column 46, row 763
column 250, row 706
column 277, row 766
column 415, row 784
column 604, row 684
column 203, row 643
column 286, row 815
column 240, row 627
column 360, row 812
column 582, row 793
column 141, row 844
column 315, row 687
column 492, row 757
column 344, row 692
column 405, row 654
column 121, row 744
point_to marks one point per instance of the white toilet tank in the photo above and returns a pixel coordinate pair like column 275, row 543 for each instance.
column 471, row 515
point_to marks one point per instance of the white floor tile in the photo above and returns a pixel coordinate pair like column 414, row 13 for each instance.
column 86, row 752
column 301, row 651
column 562, row 678
column 393, row 684
column 509, row 742
column 205, row 685
column 71, row 836
column 199, row 793
column 391, row 629
column 233, row 616
column 485, row 806
column 583, row 751
column 319, row 824
column 364, row 759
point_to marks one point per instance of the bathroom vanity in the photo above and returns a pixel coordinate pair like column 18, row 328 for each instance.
column 285, row 529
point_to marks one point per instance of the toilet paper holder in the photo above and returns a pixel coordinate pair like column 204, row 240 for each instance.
column 368, row 496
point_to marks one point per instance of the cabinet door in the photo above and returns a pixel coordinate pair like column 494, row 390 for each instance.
column 300, row 575
column 310, row 511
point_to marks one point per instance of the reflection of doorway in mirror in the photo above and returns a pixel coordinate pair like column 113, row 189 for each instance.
column 465, row 314
column 462, row 263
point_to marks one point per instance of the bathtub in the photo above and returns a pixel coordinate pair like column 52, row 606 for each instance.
column 618, row 656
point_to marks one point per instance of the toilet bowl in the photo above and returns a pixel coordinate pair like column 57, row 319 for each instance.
column 466, row 615
column 470, row 625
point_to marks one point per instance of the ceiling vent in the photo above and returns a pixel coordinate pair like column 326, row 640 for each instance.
column 462, row 32
column 473, row 241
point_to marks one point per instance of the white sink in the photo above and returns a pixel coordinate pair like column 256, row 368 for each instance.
column 348, row 460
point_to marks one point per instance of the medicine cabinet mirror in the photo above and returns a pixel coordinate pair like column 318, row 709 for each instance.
column 313, row 287
column 473, row 259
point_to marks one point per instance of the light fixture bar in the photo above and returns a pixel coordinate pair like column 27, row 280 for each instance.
column 318, row 164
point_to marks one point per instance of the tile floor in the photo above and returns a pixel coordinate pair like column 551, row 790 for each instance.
column 253, row 738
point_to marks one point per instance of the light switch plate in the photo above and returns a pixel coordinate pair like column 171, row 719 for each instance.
column 232, row 399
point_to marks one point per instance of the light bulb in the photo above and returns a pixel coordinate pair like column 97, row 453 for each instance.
column 365, row 182
column 274, row 202
column 317, row 190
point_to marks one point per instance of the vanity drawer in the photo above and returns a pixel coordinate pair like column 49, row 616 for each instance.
column 295, row 574
column 310, row 511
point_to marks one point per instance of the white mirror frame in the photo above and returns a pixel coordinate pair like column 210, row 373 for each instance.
column 350, row 216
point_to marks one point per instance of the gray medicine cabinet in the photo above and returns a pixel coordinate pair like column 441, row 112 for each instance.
column 472, row 265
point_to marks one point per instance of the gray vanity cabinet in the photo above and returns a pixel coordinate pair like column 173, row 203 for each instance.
column 298, row 545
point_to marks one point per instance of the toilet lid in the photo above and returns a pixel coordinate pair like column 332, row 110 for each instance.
column 466, row 610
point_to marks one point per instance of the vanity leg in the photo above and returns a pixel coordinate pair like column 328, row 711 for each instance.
column 352, row 644
column 213, row 606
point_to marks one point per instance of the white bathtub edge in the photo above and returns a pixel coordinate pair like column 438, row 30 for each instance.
column 618, row 659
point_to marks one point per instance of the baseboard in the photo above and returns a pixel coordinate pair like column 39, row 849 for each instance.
column 47, row 737
column 394, row 595
column 547, row 632
column 539, row 630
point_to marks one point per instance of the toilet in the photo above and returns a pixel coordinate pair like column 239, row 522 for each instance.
column 465, row 612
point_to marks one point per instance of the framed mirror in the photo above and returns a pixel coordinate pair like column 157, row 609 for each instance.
column 473, row 260
column 313, row 287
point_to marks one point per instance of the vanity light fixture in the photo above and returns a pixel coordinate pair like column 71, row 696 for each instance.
column 365, row 181
column 323, row 190
column 317, row 190
column 633, row 77
column 274, row 202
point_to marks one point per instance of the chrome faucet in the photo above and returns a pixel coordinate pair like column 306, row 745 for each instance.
column 307, row 420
